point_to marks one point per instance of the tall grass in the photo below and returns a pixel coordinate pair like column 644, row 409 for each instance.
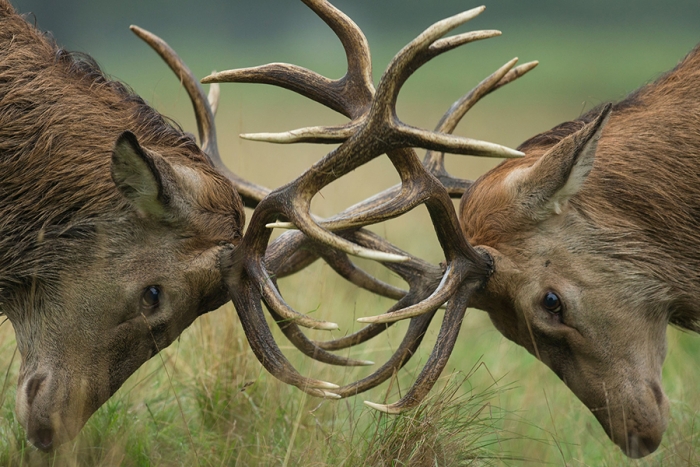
column 205, row 401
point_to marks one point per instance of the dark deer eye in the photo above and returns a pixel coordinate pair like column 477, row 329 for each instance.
column 552, row 303
column 150, row 297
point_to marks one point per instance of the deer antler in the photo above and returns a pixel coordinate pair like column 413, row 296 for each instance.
column 373, row 130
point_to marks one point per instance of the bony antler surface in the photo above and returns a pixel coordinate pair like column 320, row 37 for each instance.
column 373, row 130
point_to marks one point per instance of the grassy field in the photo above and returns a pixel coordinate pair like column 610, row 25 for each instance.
column 206, row 401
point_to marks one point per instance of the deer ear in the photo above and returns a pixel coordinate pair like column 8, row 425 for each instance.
column 559, row 174
column 138, row 174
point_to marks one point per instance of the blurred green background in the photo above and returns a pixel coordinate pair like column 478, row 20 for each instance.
column 589, row 51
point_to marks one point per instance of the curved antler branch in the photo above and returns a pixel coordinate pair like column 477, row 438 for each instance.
column 435, row 160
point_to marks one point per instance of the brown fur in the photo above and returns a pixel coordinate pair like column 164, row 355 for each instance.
column 65, row 228
column 631, row 234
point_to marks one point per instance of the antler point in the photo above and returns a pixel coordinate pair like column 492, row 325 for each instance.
column 383, row 407
column 326, row 385
column 328, row 326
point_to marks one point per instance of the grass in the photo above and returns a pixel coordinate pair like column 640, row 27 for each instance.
column 206, row 401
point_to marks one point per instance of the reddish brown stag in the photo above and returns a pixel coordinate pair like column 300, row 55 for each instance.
column 595, row 243
column 111, row 224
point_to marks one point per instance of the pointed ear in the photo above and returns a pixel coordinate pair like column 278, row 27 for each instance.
column 138, row 175
column 559, row 174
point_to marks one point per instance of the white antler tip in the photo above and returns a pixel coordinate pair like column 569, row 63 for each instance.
column 367, row 319
column 325, row 385
column 366, row 362
column 281, row 138
column 383, row 407
column 473, row 13
column 328, row 326
column 280, row 225
column 331, row 395
column 381, row 256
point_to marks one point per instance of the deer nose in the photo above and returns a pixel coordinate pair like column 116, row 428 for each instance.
column 640, row 446
column 40, row 432
column 42, row 438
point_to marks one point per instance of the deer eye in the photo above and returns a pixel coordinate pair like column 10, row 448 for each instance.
column 151, row 297
column 552, row 303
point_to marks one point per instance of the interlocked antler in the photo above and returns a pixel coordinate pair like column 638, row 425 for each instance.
column 372, row 131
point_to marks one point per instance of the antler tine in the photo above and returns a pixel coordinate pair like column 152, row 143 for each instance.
column 514, row 74
column 454, row 115
column 275, row 302
column 358, row 79
column 450, row 281
column 202, row 109
column 317, row 134
column 213, row 97
column 263, row 344
column 204, row 114
column 435, row 160
column 295, row 78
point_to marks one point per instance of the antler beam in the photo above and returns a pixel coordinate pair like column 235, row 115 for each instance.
column 252, row 268
column 373, row 130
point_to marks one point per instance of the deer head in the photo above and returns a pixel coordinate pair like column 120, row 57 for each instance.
column 112, row 221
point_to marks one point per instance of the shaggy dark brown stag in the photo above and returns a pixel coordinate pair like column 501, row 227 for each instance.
column 583, row 251
column 111, row 224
